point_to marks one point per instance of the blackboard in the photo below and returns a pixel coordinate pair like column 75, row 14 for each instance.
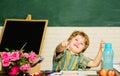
column 20, row 34
column 64, row 12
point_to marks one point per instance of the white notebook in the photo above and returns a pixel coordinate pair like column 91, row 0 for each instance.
column 117, row 67
column 90, row 72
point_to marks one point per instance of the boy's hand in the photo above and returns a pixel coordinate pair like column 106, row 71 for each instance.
column 65, row 44
column 62, row 46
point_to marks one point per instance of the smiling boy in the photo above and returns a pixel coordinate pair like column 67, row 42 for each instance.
column 69, row 54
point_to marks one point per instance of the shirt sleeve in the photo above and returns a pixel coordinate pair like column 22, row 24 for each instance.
column 83, row 62
column 57, row 56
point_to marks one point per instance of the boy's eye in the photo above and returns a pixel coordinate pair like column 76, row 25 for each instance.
column 76, row 39
column 81, row 43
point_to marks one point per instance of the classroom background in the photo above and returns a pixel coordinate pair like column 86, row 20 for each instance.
column 100, row 19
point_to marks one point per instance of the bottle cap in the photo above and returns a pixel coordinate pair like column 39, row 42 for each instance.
column 107, row 45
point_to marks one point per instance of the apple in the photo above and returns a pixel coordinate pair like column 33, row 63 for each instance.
column 111, row 73
column 102, row 72
column 37, row 74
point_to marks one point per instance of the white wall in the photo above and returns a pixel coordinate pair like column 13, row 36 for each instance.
column 54, row 35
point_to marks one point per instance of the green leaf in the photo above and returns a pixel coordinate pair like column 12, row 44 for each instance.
column 7, row 49
column 12, row 63
column 22, row 50
column 13, row 50
column 10, row 66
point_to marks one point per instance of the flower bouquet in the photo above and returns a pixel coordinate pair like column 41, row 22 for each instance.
column 17, row 61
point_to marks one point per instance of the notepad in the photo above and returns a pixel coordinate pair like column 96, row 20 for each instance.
column 80, row 73
column 116, row 67
column 89, row 72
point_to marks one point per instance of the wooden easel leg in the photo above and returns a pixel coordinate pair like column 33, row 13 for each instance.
column 29, row 17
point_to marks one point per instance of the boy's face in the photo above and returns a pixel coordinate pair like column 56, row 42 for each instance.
column 77, row 44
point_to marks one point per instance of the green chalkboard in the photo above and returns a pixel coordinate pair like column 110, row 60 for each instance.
column 64, row 12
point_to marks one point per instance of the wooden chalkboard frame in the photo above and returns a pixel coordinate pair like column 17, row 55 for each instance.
column 19, row 32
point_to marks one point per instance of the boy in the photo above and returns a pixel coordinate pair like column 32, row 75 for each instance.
column 69, row 54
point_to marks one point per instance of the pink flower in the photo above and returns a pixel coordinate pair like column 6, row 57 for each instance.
column 15, row 56
column 32, row 56
column 5, row 55
column 14, row 70
column 6, row 62
column 25, row 55
column 25, row 67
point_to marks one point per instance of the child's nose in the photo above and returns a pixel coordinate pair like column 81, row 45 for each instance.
column 78, row 43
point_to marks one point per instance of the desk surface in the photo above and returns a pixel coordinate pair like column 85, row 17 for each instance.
column 88, row 73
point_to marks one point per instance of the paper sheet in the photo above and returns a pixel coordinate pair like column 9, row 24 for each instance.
column 117, row 67
column 81, row 72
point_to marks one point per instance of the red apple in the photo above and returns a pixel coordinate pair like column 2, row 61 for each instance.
column 103, row 72
column 111, row 73
column 37, row 74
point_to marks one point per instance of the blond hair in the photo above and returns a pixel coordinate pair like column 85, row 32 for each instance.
column 75, row 33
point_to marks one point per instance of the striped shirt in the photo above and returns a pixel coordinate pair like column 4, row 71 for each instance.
column 67, row 61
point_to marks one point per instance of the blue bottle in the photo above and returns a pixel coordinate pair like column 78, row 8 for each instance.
column 108, row 55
